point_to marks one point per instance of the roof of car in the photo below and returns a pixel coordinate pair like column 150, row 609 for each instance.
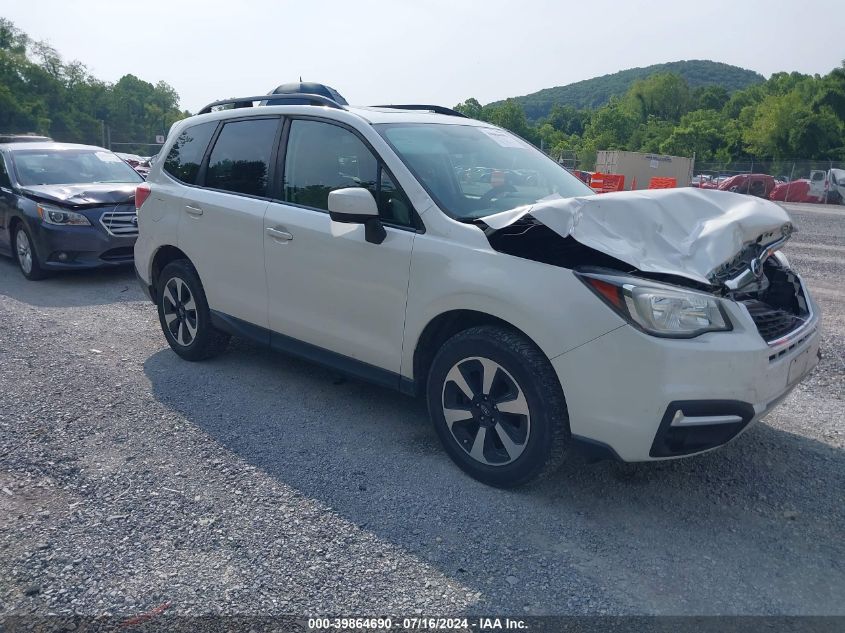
column 54, row 146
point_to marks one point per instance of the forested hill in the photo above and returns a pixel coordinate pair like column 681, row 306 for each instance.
column 593, row 93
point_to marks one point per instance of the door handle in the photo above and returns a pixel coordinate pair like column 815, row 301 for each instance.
column 278, row 234
column 195, row 211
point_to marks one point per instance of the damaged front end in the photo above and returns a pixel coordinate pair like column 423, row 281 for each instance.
column 633, row 248
column 776, row 300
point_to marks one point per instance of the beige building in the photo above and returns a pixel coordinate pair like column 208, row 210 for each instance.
column 639, row 168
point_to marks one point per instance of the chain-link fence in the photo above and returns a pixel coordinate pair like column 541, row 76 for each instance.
column 785, row 170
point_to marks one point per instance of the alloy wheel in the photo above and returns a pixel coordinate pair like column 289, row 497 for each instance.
column 180, row 311
column 486, row 411
column 24, row 251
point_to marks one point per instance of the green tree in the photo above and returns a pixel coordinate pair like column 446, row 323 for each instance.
column 710, row 97
column 470, row 108
column 567, row 119
column 41, row 93
column 701, row 132
column 611, row 126
column 511, row 116
column 665, row 96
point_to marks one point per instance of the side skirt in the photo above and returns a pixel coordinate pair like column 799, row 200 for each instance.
column 343, row 364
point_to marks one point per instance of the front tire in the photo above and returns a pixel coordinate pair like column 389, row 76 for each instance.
column 184, row 314
column 26, row 256
column 498, row 407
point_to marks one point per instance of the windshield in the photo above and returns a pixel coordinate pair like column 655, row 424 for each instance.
column 473, row 171
column 71, row 167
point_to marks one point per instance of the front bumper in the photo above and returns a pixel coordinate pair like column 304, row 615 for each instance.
column 73, row 247
column 625, row 389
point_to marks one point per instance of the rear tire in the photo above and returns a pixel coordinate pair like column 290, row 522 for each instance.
column 184, row 314
column 498, row 407
column 25, row 254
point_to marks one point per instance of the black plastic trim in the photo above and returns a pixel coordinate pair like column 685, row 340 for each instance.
column 239, row 327
column 295, row 347
column 149, row 291
column 671, row 441
column 594, row 450
column 408, row 386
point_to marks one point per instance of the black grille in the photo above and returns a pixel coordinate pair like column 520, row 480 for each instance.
column 118, row 254
column 772, row 323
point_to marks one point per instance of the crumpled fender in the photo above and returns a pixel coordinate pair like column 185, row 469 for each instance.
column 686, row 231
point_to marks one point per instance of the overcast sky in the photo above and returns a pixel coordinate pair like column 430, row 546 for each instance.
column 424, row 51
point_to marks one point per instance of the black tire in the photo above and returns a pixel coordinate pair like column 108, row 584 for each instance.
column 186, row 323
column 36, row 272
column 542, row 435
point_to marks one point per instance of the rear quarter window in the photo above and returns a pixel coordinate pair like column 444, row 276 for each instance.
column 185, row 156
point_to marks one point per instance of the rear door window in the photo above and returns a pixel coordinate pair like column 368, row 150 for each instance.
column 240, row 159
column 184, row 158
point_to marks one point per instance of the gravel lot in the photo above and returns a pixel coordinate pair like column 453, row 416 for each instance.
column 259, row 484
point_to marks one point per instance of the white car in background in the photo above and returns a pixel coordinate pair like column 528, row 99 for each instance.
column 532, row 315
column 828, row 186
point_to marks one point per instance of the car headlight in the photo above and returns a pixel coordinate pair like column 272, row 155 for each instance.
column 61, row 217
column 658, row 309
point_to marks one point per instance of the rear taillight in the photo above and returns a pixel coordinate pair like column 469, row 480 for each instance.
column 142, row 192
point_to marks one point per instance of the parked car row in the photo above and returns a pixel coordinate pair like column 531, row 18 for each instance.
column 141, row 164
column 533, row 316
column 822, row 186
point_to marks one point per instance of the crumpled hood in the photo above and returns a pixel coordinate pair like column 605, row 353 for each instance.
column 83, row 195
column 687, row 231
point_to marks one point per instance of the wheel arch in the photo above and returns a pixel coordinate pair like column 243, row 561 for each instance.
column 443, row 327
column 14, row 221
column 163, row 256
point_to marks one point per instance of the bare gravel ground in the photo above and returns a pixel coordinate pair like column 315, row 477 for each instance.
column 259, row 484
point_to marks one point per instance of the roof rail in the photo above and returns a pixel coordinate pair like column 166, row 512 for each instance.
column 246, row 102
column 430, row 108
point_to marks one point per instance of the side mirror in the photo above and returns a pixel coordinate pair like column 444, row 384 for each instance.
column 355, row 205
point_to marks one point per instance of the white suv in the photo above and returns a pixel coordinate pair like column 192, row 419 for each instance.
column 441, row 256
